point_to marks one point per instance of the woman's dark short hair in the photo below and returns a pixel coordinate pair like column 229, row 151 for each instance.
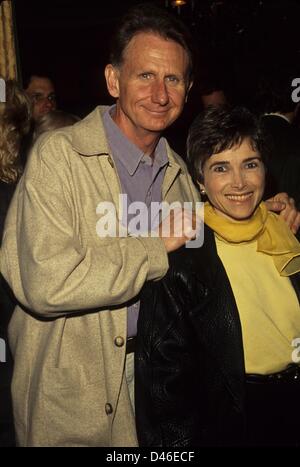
column 218, row 129
column 147, row 17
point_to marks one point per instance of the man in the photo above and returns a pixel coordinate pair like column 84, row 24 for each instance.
column 72, row 335
column 41, row 91
column 69, row 386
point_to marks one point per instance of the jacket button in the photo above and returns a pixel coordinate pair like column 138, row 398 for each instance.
column 119, row 341
column 108, row 409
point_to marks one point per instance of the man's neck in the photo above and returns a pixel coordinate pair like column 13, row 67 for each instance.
column 147, row 144
column 145, row 140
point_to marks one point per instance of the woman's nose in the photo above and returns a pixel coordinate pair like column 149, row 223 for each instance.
column 238, row 179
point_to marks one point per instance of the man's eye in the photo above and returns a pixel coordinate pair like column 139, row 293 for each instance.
column 145, row 75
column 220, row 168
column 37, row 97
column 51, row 97
column 172, row 79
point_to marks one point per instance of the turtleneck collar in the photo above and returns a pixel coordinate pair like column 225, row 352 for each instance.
column 271, row 233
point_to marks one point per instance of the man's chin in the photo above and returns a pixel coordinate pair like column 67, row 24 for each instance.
column 157, row 126
column 44, row 112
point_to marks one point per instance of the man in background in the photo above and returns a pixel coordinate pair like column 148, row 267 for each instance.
column 274, row 102
column 41, row 92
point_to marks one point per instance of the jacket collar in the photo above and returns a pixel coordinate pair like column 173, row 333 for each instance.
column 88, row 135
column 89, row 139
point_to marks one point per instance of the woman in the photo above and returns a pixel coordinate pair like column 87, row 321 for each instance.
column 215, row 357
column 15, row 114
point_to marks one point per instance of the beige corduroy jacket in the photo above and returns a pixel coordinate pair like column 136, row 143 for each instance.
column 68, row 335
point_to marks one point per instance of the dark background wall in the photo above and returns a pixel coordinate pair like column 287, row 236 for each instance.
column 237, row 42
column 69, row 41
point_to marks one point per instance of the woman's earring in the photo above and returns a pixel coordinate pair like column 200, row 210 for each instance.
column 202, row 191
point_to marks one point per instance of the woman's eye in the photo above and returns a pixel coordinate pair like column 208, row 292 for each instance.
column 220, row 168
column 251, row 165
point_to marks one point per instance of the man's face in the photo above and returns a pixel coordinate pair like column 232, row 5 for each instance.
column 150, row 85
column 41, row 92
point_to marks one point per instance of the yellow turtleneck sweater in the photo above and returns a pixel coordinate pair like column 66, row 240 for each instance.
column 258, row 255
column 268, row 307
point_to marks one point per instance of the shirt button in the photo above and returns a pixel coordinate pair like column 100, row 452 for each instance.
column 119, row 341
column 108, row 409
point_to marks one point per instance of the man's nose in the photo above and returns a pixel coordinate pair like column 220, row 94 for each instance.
column 49, row 104
column 160, row 93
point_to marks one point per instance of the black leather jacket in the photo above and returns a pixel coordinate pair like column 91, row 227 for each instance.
column 189, row 361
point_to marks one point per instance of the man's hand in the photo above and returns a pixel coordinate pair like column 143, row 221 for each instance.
column 284, row 205
column 177, row 228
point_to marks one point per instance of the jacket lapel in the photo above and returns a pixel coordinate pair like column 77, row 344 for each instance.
column 219, row 325
column 89, row 140
column 172, row 171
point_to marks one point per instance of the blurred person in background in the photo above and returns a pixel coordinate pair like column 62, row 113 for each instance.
column 274, row 103
column 52, row 121
column 41, row 91
column 15, row 115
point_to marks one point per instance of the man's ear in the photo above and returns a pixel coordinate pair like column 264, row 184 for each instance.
column 112, row 80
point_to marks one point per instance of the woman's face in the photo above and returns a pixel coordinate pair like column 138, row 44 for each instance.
column 234, row 181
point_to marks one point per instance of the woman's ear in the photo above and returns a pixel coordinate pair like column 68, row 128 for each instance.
column 112, row 80
column 202, row 188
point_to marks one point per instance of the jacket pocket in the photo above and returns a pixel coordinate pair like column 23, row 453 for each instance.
column 72, row 407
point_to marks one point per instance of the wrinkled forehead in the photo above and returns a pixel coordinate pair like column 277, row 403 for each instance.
column 146, row 48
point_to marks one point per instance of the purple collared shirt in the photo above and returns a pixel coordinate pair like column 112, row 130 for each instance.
column 141, row 179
